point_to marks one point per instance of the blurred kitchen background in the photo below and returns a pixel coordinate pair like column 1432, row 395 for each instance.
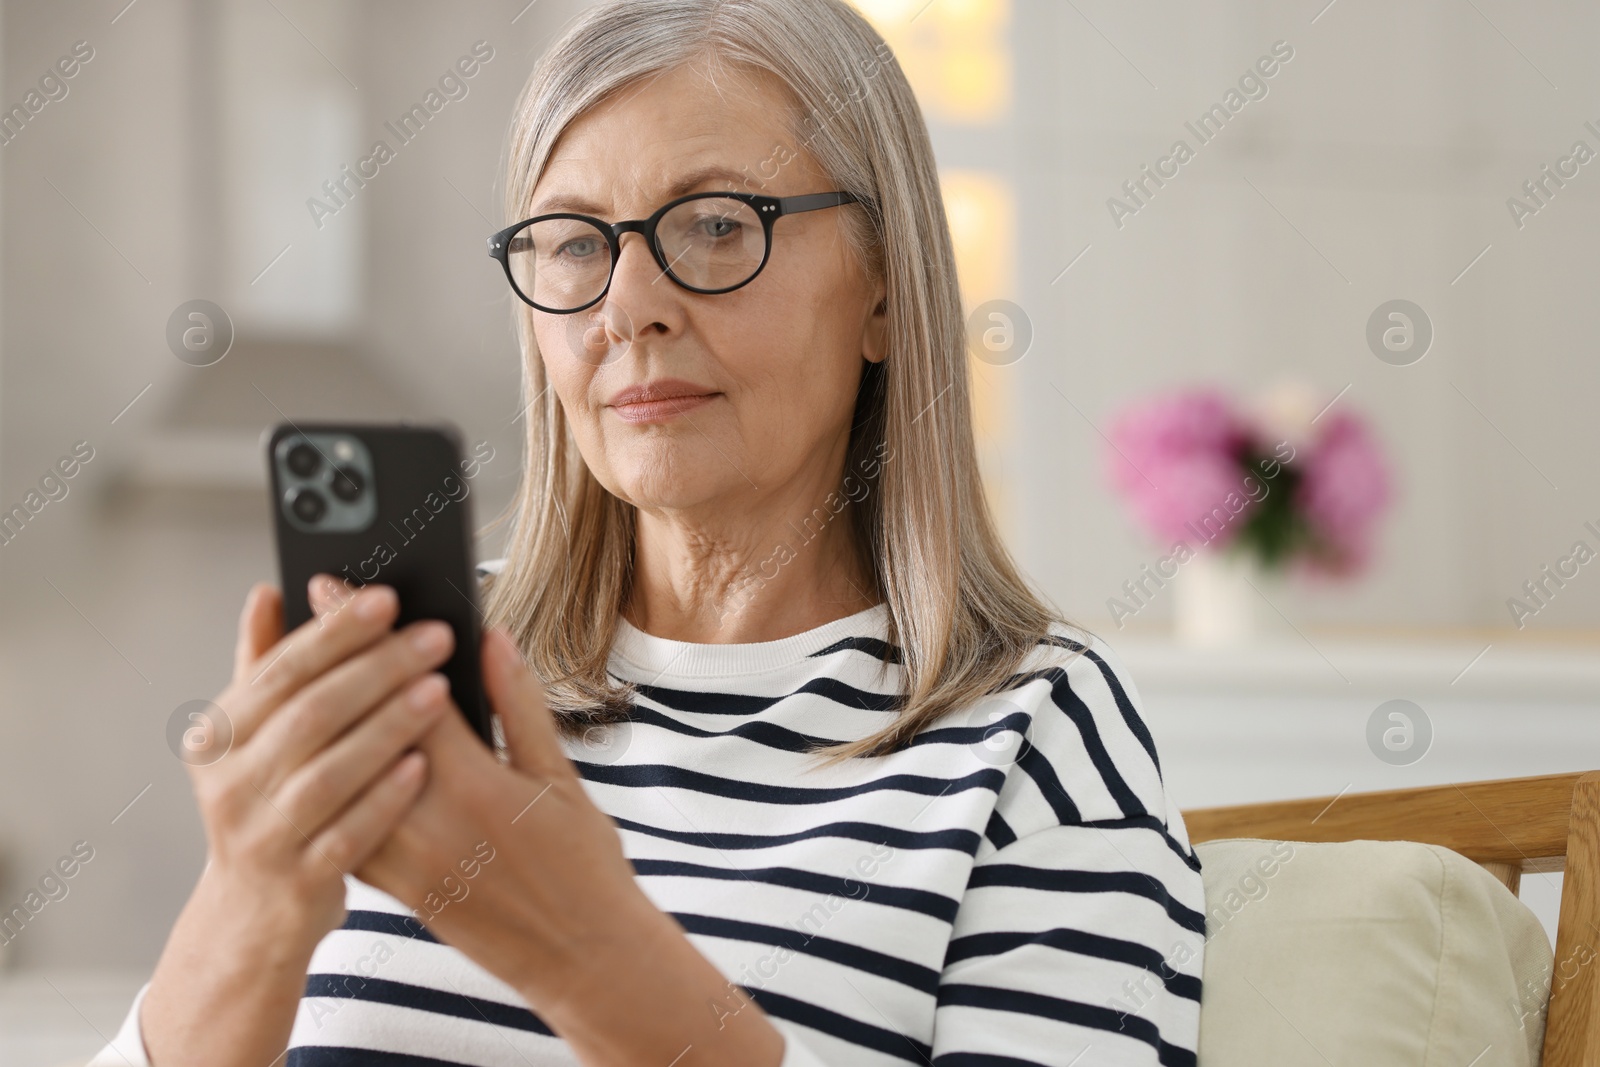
column 1377, row 163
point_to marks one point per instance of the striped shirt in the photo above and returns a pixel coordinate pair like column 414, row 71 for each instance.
column 1013, row 887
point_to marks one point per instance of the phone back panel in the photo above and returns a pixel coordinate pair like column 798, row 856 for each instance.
column 419, row 541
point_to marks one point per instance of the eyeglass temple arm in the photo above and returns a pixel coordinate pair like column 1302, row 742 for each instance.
column 793, row 205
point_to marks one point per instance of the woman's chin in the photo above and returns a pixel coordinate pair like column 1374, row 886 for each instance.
column 655, row 493
column 676, row 473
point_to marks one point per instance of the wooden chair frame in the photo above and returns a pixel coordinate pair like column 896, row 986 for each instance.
column 1541, row 824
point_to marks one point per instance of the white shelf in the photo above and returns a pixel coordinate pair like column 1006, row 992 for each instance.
column 1321, row 665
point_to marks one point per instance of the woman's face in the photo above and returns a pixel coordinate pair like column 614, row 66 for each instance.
column 773, row 367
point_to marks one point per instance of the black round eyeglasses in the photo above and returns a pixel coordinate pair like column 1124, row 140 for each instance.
column 706, row 242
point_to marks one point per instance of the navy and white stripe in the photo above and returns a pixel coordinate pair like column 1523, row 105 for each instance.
column 1013, row 887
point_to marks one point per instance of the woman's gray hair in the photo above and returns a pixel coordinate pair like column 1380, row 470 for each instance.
column 959, row 611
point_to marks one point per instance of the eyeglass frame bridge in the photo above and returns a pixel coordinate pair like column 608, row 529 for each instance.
column 767, row 208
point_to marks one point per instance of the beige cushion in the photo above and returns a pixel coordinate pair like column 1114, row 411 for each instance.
column 1369, row 953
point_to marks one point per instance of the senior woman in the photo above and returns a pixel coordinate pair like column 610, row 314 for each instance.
column 796, row 768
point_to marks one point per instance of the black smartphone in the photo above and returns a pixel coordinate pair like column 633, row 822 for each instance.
column 384, row 503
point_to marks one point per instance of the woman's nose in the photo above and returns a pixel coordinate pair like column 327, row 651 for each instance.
column 637, row 281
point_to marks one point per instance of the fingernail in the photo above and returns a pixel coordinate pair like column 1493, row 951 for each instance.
column 372, row 602
column 431, row 637
column 428, row 692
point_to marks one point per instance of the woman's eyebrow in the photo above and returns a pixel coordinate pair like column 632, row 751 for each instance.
column 686, row 184
column 696, row 178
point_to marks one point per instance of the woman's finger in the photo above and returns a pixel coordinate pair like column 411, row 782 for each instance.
column 362, row 828
column 347, row 692
column 321, row 787
column 518, row 698
column 302, row 655
column 260, row 627
column 327, row 594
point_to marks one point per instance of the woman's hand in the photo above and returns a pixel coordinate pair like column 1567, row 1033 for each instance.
column 514, row 865
column 313, row 779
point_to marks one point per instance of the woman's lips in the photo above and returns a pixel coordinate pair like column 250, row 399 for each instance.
column 660, row 400
column 639, row 411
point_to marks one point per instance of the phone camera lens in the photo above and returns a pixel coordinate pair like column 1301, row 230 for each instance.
column 347, row 484
column 308, row 505
column 303, row 460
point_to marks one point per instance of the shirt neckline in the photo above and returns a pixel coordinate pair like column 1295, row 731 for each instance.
column 657, row 657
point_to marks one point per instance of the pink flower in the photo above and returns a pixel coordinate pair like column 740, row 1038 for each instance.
column 1176, row 459
column 1345, row 487
column 1182, row 458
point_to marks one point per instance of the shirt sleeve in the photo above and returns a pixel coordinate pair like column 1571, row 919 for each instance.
column 1081, row 932
column 1069, row 942
column 127, row 1048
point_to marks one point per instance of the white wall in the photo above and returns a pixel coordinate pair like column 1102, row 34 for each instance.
column 1389, row 144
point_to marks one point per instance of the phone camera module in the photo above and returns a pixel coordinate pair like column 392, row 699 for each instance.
column 347, row 484
column 303, row 460
column 308, row 505
column 326, row 481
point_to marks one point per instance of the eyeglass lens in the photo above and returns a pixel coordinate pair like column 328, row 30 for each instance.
column 709, row 243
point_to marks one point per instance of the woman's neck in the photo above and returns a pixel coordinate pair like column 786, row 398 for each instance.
column 729, row 586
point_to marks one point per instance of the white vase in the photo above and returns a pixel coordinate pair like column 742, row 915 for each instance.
column 1222, row 600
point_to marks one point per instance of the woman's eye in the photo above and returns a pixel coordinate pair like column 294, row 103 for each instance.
column 718, row 226
column 578, row 249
